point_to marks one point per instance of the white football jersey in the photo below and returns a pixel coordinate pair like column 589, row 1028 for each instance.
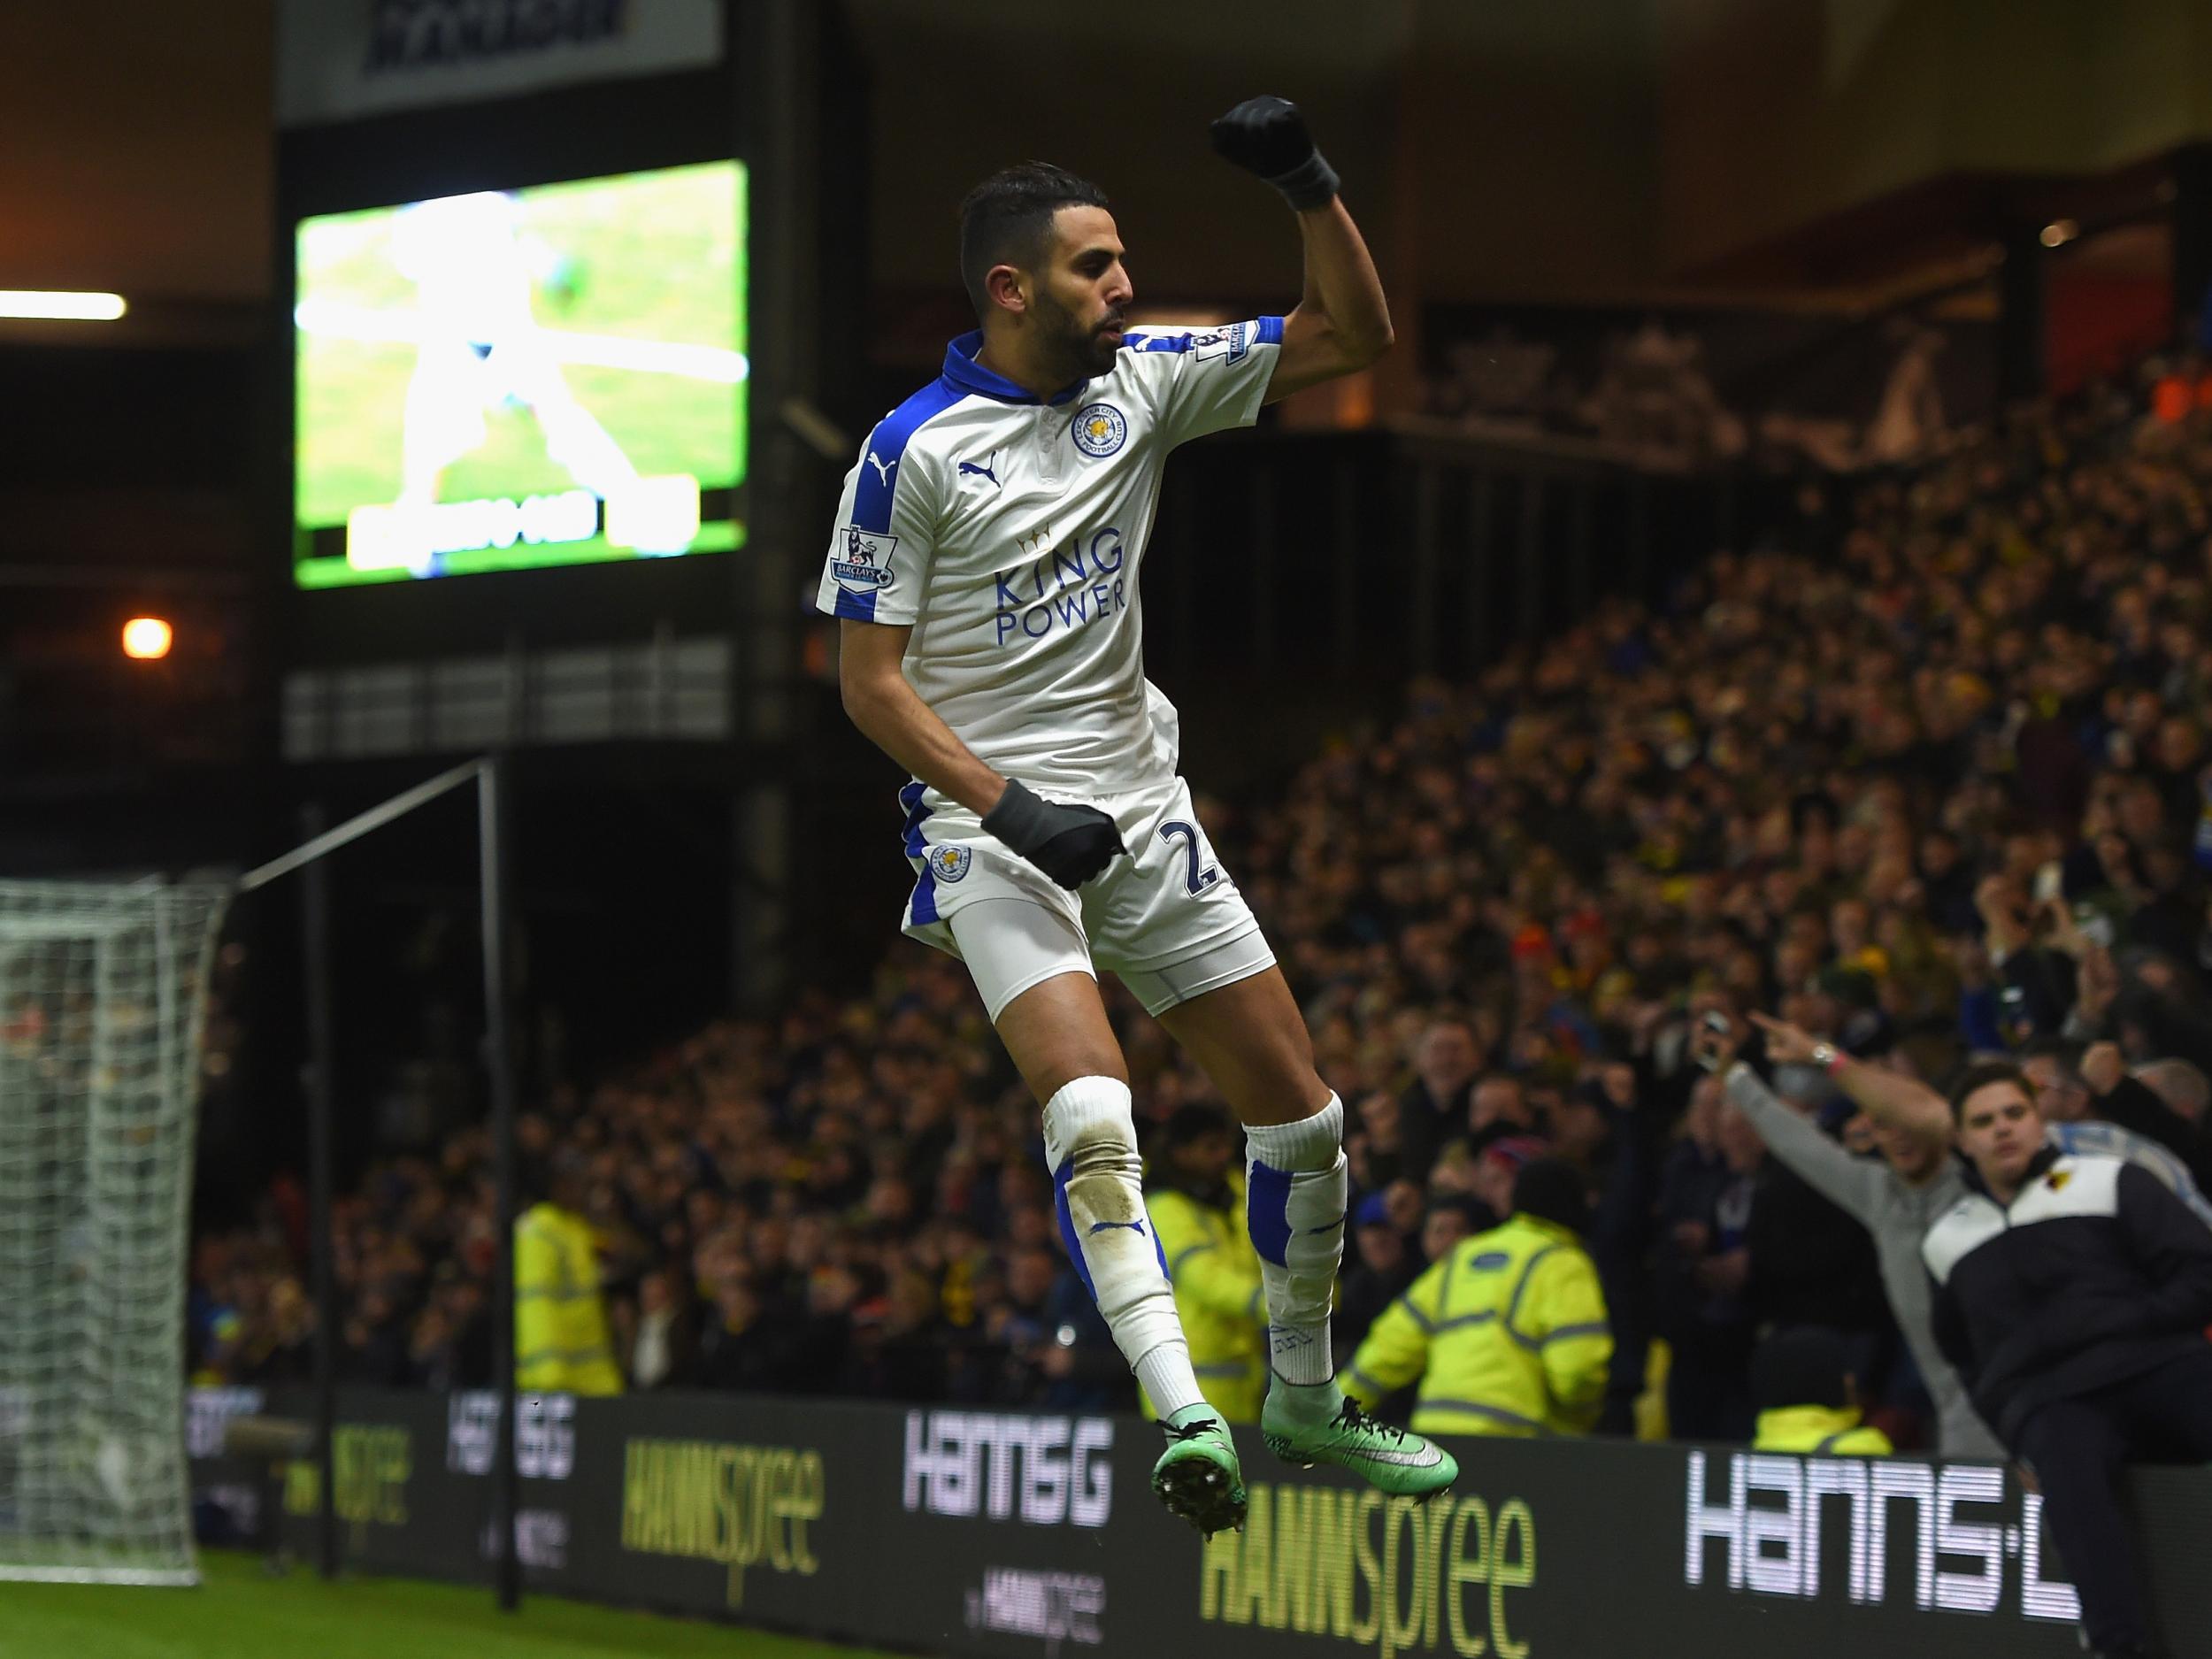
column 1009, row 531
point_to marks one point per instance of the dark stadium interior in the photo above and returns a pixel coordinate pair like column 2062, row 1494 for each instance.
column 1772, row 574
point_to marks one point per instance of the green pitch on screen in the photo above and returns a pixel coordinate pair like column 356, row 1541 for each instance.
column 520, row 344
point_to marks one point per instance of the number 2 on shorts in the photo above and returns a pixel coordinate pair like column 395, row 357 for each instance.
column 1195, row 879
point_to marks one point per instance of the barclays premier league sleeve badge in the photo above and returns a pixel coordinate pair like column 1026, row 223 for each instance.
column 862, row 562
column 1224, row 345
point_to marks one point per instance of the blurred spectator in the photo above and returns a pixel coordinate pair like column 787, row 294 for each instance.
column 1382, row 1147
column 1507, row 1334
column 1433, row 1105
column 1498, row 1107
column 660, row 1340
column 373, row 1346
column 2073, row 1082
column 1378, row 1269
column 2183, row 1086
column 282, row 1349
column 1067, row 1360
column 1703, row 1308
column 1448, row 1222
column 898, row 1344
column 1808, row 1399
column 450, row 1345
column 1492, row 1175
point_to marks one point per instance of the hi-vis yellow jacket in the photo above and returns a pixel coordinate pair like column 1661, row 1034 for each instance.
column 1507, row 1335
column 561, row 1344
column 1216, row 1273
column 1824, row 1431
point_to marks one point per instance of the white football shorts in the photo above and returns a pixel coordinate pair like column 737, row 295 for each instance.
column 1167, row 919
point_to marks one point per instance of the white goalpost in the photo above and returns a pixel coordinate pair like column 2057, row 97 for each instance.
column 103, row 997
column 103, row 993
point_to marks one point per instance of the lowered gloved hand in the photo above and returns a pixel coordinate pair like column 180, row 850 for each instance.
column 1268, row 136
column 1068, row 843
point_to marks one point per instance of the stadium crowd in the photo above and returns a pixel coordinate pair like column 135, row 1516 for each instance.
column 1926, row 775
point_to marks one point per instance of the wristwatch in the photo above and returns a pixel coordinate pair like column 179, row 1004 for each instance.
column 1825, row 1056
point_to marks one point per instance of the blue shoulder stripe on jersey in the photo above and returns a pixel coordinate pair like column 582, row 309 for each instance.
column 1267, row 330
column 855, row 607
column 887, row 446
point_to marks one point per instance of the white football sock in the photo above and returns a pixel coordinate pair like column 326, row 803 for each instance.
column 1098, row 1187
column 1295, row 1198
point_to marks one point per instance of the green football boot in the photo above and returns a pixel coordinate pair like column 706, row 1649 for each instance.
column 1390, row 1459
column 1197, row 1477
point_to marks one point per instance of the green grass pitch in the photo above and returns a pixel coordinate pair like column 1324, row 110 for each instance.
column 240, row 1613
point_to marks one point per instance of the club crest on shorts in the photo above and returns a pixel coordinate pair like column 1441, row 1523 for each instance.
column 950, row 864
column 1099, row 430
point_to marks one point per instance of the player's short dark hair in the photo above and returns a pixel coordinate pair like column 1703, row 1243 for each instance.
column 1005, row 220
column 1977, row 1078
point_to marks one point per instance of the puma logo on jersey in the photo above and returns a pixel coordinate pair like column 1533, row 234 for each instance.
column 985, row 471
column 883, row 468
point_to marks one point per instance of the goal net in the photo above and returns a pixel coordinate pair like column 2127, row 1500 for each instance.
column 102, row 997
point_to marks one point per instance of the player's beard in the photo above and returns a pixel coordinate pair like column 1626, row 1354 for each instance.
column 1083, row 349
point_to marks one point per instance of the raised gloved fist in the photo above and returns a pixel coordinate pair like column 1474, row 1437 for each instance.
column 1268, row 136
column 1068, row 843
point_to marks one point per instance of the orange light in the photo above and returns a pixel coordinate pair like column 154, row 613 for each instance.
column 147, row 637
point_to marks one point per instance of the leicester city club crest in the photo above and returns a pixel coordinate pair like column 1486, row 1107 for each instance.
column 950, row 864
column 1100, row 429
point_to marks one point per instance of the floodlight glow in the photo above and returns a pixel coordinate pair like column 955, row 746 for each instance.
column 147, row 637
column 61, row 304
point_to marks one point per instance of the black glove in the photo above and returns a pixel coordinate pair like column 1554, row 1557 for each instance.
column 1068, row 843
column 1268, row 136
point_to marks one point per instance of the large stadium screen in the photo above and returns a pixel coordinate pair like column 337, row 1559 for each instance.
column 514, row 378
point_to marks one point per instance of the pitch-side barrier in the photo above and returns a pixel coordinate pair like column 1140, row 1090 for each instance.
column 994, row 1533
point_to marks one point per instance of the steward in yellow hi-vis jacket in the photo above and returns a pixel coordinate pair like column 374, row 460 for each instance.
column 1808, row 1400
column 1195, row 1198
column 562, row 1343
column 1508, row 1333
